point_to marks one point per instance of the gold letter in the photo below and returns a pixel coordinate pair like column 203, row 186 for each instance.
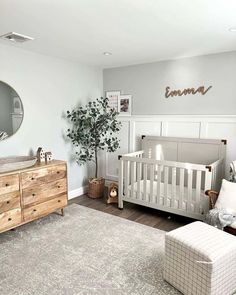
column 204, row 92
column 167, row 92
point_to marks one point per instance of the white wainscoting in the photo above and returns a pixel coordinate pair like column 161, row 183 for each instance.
column 212, row 126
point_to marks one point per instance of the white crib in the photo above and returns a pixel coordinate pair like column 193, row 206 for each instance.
column 172, row 174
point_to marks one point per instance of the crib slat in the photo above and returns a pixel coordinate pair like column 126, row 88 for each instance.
column 208, row 180
column 135, row 171
column 121, row 184
column 126, row 178
column 145, row 196
column 207, row 186
column 190, row 190
column 173, row 187
column 151, row 183
column 181, row 188
column 139, row 169
column 166, row 180
column 132, row 172
column 159, row 167
column 198, row 190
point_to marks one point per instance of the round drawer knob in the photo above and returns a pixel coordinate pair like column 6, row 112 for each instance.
column 7, row 184
column 32, row 178
column 35, row 210
column 59, row 201
column 9, row 219
column 8, row 202
column 33, row 195
column 58, row 172
column 58, row 186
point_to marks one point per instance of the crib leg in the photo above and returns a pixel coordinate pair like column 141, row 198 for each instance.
column 120, row 204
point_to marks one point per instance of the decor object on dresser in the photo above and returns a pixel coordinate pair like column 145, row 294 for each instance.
column 112, row 193
column 225, row 201
column 8, row 164
column 48, row 157
column 28, row 194
column 200, row 259
column 94, row 128
column 40, row 155
column 172, row 174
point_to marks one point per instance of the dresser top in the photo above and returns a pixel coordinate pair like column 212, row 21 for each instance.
column 36, row 166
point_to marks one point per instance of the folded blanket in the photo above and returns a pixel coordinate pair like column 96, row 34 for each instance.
column 220, row 218
column 3, row 135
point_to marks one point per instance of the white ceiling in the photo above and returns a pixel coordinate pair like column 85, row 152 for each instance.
column 135, row 31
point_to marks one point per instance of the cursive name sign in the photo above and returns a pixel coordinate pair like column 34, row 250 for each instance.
column 186, row 91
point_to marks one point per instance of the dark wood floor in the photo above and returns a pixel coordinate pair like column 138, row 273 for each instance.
column 151, row 217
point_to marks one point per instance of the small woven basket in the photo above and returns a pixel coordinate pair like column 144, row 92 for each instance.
column 96, row 188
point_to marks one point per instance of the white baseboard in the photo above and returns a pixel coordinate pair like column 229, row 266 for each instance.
column 77, row 192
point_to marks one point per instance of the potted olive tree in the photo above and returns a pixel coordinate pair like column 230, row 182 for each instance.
column 94, row 128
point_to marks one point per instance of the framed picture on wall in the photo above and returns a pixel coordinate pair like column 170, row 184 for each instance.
column 113, row 99
column 125, row 104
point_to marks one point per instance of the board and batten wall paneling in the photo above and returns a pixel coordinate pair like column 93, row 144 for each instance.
column 182, row 129
column 144, row 127
column 215, row 127
column 225, row 130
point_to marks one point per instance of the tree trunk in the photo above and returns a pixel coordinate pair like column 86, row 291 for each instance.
column 96, row 163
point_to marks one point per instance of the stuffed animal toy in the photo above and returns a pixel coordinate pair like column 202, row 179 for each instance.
column 112, row 194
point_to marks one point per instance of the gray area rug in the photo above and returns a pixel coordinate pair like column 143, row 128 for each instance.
column 84, row 252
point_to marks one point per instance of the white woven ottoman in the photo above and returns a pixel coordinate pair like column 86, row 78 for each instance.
column 200, row 260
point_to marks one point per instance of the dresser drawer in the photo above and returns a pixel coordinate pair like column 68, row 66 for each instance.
column 10, row 219
column 9, row 183
column 45, row 208
column 43, row 175
column 42, row 193
column 9, row 201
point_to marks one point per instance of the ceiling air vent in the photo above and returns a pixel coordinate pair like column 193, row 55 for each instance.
column 15, row 37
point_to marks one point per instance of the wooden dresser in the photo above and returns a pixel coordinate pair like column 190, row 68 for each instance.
column 31, row 193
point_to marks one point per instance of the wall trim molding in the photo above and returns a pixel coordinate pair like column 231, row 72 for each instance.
column 179, row 116
column 77, row 192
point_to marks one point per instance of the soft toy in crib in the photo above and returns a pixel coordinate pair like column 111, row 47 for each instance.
column 112, row 194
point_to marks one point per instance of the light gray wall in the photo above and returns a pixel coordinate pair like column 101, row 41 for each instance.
column 6, row 108
column 48, row 87
column 147, row 83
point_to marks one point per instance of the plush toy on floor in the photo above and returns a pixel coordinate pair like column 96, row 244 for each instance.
column 112, row 194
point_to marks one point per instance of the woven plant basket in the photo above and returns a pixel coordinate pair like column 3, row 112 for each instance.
column 96, row 188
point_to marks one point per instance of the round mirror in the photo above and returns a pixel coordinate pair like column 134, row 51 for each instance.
column 11, row 111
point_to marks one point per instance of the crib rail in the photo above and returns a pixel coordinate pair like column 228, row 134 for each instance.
column 217, row 174
column 174, row 186
column 137, row 154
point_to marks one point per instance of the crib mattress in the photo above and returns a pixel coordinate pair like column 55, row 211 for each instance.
column 174, row 199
